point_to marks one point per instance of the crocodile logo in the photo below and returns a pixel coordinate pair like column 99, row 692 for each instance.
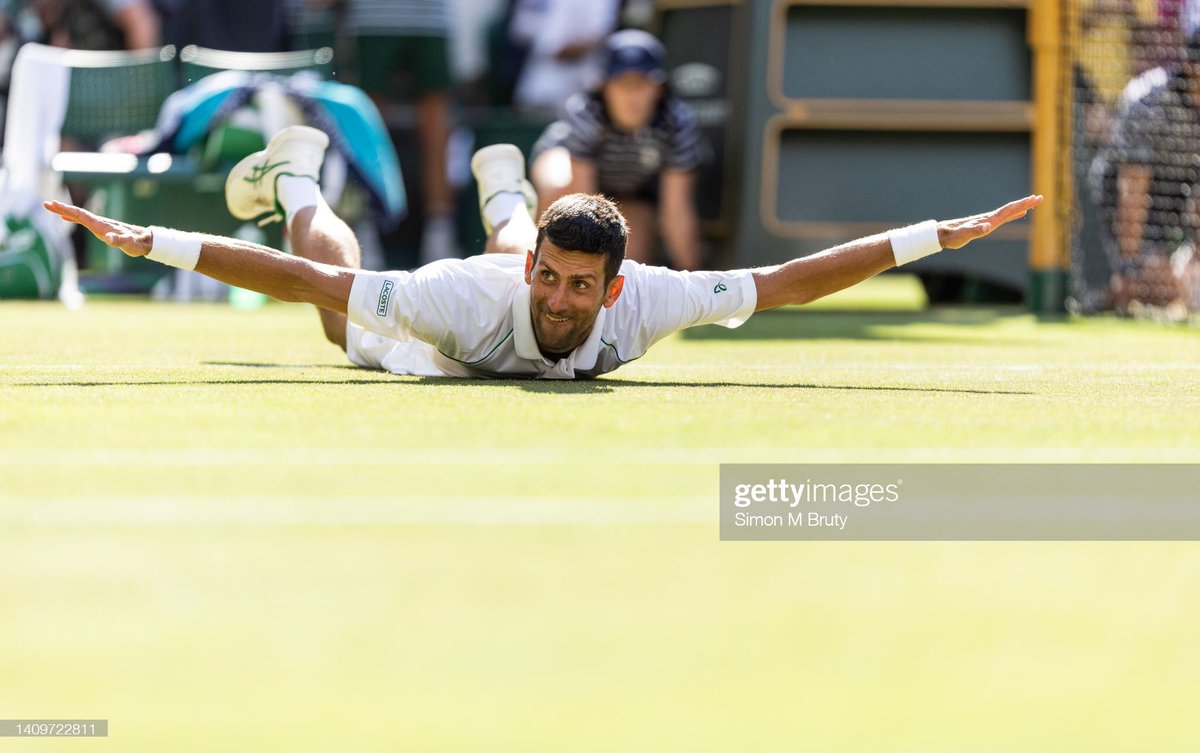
column 260, row 171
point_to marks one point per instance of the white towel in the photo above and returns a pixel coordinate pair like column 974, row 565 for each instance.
column 37, row 105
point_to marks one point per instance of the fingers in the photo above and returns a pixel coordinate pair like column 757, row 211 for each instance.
column 66, row 211
column 957, row 233
column 1018, row 208
column 98, row 225
column 967, row 229
column 1012, row 211
column 130, row 239
column 59, row 208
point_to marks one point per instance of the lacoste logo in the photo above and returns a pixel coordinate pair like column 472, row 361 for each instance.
column 260, row 171
column 720, row 288
column 385, row 295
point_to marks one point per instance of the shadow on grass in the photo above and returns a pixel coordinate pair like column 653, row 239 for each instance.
column 259, row 365
column 541, row 386
column 817, row 324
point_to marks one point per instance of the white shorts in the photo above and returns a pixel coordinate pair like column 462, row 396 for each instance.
column 406, row 357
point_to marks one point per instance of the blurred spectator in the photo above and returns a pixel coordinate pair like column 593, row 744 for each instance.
column 631, row 140
column 9, row 42
column 472, row 22
column 506, row 58
column 237, row 25
column 1146, row 180
column 403, row 49
column 1106, row 43
column 561, row 37
column 312, row 24
column 98, row 24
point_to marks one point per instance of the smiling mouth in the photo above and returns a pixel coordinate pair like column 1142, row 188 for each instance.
column 559, row 319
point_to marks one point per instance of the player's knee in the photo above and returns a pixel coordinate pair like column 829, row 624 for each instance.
column 336, row 337
column 334, row 327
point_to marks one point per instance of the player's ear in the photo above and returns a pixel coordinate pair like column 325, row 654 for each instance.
column 614, row 290
column 529, row 267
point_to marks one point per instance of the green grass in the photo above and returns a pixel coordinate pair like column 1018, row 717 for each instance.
column 218, row 536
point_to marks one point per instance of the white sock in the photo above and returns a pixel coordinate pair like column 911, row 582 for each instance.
column 520, row 234
column 296, row 193
column 501, row 207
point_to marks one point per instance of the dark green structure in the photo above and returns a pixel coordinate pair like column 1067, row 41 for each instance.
column 834, row 120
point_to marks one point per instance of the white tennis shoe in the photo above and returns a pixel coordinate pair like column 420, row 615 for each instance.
column 250, row 187
column 500, row 169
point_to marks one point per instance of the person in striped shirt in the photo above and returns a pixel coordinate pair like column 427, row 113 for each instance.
column 632, row 140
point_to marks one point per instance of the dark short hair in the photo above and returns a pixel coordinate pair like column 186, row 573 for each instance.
column 588, row 223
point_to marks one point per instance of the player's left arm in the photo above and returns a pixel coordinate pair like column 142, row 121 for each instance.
column 811, row 277
column 234, row 262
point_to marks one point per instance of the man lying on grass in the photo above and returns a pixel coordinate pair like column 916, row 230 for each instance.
column 557, row 300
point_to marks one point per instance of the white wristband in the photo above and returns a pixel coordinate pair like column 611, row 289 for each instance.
column 175, row 248
column 914, row 242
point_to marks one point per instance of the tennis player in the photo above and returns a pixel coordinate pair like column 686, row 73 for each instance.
column 555, row 300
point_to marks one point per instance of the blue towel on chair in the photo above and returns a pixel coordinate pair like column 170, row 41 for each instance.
column 344, row 112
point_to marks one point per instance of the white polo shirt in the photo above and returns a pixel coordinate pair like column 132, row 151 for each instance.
column 471, row 318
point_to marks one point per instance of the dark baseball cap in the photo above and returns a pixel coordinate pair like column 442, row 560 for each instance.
column 635, row 50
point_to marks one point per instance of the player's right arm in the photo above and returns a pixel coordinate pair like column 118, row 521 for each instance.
column 234, row 262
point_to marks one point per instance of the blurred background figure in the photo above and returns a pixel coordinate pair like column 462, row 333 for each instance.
column 403, row 51
column 475, row 25
column 89, row 24
column 1106, row 44
column 235, row 25
column 561, row 39
column 1145, row 181
column 633, row 141
column 313, row 23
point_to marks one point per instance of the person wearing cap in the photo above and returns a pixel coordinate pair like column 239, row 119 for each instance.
column 1145, row 181
column 629, row 139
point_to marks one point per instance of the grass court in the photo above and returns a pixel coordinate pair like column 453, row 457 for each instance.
column 217, row 534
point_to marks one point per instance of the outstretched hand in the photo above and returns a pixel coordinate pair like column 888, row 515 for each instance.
column 958, row 233
column 130, row 239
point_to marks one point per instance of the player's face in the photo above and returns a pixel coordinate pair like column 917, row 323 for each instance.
column 631, row 99
column 567, row 291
